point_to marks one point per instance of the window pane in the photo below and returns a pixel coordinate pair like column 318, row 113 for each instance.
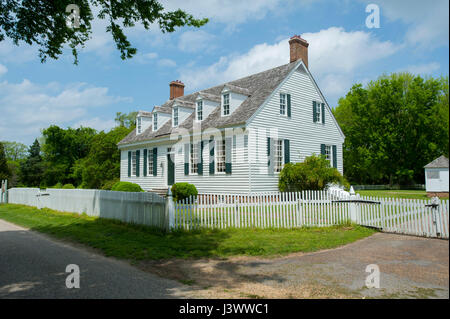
column 194, row 158
column 133, row 163
column 282, row 104
column 150, row 162
column 279, row 156
column 433, row 174
column 220, row 157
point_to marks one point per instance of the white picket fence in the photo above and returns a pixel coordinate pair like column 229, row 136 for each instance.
column 311, row 208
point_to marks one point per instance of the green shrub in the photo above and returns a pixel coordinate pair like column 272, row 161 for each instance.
column 126, row 187
column 314, row 173
column 68, row 186
column 108, row 185
column 58, row 185
column 181, row 191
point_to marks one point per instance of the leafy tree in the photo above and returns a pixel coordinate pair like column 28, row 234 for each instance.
column 315, row 173
column 5, row 172
column 393, row 127
column 102, row 163
column 126, row 120
column 62, row 148
column 15, row 151
column 43, row 22
column 32, row 168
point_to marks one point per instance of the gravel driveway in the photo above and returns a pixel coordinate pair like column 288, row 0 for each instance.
column 410, row 267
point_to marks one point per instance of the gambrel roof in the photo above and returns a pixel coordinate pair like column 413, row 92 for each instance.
column 257, row 87
column 440, row 162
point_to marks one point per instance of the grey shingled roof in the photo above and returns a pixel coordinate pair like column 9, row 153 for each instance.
column 440, row 162
column 258, row 87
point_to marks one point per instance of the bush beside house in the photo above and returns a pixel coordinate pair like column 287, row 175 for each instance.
column 182, row 191
column 126, row 187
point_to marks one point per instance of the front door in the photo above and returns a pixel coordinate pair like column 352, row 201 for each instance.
column 170, row 169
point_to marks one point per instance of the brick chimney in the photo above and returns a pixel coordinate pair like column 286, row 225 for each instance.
column 176, row 89
column 298, row 49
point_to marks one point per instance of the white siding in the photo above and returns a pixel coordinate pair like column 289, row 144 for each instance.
column 162, row 118
column 437, row 184
column 305, row 136
column 236, row 182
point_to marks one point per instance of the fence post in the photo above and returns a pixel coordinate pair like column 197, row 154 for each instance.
column 169, row 211
column 435, row 208
column 353, row 206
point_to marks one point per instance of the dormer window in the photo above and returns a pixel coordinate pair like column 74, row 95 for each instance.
column 226, row 104
column 199, row 110
column 155, row 121
column 175, row 116
column 139, row 125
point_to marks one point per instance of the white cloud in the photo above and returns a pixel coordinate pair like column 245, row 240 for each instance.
column 423, row 69
column 145, row 58
column 193, row 41
column 3, row 69
column 12, row 53
column 334, row 57
column 428, row 20
column 27, row 107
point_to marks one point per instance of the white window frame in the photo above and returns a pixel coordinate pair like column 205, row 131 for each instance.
column 139, row 124
column 193, row 159
column 283, row 104
column 226, row 96
column 175, row 115
column 279, row 155
column 199, row 110
column 433, row 174
column 329, row 154
column 133, row 163
column 155, row 121
column 218, row 155
column 150, row 162
column 319, row 112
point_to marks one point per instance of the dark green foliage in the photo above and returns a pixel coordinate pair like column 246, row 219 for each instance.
column 126, row 120
column 315, row 173
column 182, row 191
column 43, row 22
column 393, row 127
column 126, row 187
column 5, row 172
column 68, row 186
column 32, row 168
column 108, row 185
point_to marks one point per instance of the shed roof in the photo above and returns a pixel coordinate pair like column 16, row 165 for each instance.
column 440, row 162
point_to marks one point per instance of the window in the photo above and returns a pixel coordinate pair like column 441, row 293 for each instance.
column 175, row 116
column 199, row 110
column 433, row 174
column 226, row 104
column 150, row 162
column 282, row 104
column 133, row 163
column 328, row 153
column 194, row 159
column 139, row 125
column 278, row 155
column 155, row 121
column 318, row 112
column 234, row 149
column 220, row 156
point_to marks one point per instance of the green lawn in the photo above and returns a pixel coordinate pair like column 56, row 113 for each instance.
column 414, row 194
column 134, row 242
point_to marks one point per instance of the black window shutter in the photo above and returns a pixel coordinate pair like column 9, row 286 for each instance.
column 322, row 149
column 287, row 152
column 211, row 157
column 155, row 161
column 145, row 163
column 200, row 156
column 186, row 158
column 138, row 152
column 334, row 156
column 289, row 105
column 314, row 112
column 228, row 142
column 323, row 113
column 129, row 163
column 268, row 151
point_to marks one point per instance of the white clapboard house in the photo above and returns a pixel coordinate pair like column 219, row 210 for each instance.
column 234, row 137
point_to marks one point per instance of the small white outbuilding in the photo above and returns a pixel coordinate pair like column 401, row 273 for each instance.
column 436, row 177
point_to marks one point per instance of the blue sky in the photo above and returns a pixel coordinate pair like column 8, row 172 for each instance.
column 240, row 39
